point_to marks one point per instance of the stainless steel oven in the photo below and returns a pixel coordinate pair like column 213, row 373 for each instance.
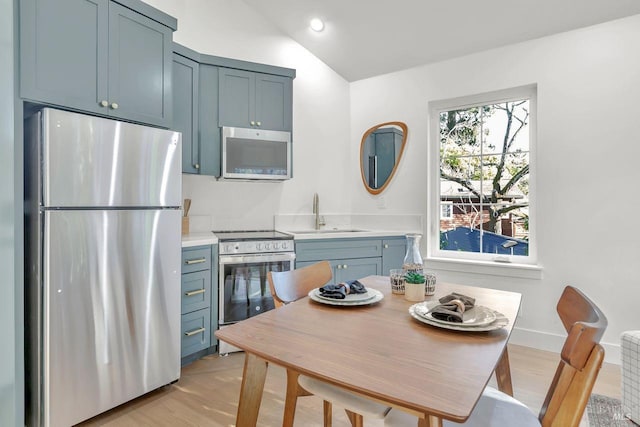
column 245, row 258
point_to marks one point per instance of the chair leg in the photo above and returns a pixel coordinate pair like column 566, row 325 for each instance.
column 327, row 413
column 356, row 419
column 291, row 398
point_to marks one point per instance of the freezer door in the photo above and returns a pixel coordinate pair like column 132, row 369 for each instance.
column 91, row 161
column 111, row 315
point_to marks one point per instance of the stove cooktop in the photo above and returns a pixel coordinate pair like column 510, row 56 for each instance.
column 244, row 235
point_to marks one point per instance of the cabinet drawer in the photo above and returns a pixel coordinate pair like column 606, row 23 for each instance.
column 196, row 333
column 196, row 291
column 196, row 259
column 338, row 249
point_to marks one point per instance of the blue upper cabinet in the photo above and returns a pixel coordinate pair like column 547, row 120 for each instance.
column 185, row 110
column 255, row 100
column 100, row 56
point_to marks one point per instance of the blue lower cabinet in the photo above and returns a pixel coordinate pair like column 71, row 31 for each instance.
column 196, row 333
column 196, row 291
column 356, row 268
column 393, row 251
column 353, row 258
column 199, row 302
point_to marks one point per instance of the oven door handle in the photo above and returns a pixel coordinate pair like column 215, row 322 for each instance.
column 252, row 258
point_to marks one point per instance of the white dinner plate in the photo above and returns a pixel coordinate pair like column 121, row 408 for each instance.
column 376, row 296
column 500, row 322
column 475, row 316
column 350, row 297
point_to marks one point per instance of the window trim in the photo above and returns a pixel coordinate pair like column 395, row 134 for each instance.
column 433, row 188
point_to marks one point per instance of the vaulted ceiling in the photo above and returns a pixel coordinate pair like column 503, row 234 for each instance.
column 365, row 38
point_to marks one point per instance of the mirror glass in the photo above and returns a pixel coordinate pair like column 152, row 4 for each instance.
column 380, row 152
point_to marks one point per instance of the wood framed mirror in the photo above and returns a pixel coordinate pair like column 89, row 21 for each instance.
column 380, row 153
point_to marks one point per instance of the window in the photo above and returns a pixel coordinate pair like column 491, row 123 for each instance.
column 482, row 166
column 446, row 210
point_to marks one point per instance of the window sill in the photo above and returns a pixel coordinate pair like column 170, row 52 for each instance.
column 492, row 268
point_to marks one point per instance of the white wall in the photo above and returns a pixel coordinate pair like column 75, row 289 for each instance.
column 230, row 28
column 587, row 149
column 587, row 158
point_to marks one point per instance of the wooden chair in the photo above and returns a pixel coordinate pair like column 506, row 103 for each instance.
column 568, row 394
column 289, row 286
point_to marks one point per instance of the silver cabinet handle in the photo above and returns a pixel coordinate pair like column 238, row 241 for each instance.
column 253, row 123
column 192, row 293
column 194, row 332
column 197, row 166
column 345, row 266
column 386, row 246
column 104, row 103
column 339, row 267
column 195, row 261
column 114, row 105
column 259, row 123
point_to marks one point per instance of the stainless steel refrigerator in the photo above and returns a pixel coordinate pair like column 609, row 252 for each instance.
column 102, row 201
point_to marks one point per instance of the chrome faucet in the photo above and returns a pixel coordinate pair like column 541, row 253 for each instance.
column 316, row 211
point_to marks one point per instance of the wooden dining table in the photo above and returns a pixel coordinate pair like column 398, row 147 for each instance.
column 379, row 351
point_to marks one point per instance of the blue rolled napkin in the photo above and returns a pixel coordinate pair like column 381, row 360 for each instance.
column 342, row 289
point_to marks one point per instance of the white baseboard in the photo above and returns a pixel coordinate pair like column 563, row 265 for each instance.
column 552, row 342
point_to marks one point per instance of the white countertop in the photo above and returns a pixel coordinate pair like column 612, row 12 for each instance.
column 341, row 234
column 199, row 239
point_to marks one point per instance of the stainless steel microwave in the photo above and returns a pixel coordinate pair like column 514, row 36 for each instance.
column 256, row 154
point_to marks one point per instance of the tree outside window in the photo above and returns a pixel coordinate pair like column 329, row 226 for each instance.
column 484, row 175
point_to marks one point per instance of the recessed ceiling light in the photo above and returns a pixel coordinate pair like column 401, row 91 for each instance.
column 316, row 24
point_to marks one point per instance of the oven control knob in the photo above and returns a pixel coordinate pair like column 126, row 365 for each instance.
column 258, row 308
column 267, row 246
column 259, row 246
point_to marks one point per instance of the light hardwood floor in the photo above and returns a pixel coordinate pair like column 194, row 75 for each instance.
column 207, row 394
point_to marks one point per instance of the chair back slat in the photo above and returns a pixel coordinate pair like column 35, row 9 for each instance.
column 584, row 323
column 289, row 286
column 580, row 362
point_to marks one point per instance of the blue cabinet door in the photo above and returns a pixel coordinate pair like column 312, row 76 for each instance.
column 274, row 101
column 140, row 57
column 356, row 268
column 209, row 131
column 63, row 52
column 393, row 251
column 96, row 56
column 237, row 98
column 185, row 110
column 255, row 100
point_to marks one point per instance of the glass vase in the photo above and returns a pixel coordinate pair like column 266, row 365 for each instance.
column 412, row 258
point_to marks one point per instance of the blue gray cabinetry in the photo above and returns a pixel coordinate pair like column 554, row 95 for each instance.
column 185, row 109
column 106, row 57
column 393, row 251
column 350, row 258
column 211, row 91
column 353, row 258
column 255, row 100
column 209, row 131
column 199, row 302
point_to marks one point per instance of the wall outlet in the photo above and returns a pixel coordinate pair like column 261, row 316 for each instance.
column 381, row 203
